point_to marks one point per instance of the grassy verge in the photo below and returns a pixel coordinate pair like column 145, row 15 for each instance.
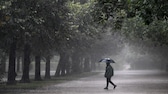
column 38, row 84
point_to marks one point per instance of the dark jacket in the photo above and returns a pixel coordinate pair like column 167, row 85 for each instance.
column 109, row 71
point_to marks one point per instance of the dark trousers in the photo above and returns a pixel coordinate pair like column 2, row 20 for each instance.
column 108, row 80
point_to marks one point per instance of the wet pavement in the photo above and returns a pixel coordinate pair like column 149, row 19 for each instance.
column 128, row 82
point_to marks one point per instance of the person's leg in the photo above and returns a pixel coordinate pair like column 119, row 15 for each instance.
column 112, row 83
column 107, row 83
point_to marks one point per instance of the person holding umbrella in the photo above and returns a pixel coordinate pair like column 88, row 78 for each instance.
column 109, row 73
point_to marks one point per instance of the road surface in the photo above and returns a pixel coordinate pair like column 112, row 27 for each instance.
column 128, row 82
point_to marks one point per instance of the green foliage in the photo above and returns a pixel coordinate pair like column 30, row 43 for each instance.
column 158, row 32
column 81, row 26
column 144, row 19
column 134, row 28
column 147, row 9
column 150, row 9
column 49, row 22
column 32, row 20
column 105, row 10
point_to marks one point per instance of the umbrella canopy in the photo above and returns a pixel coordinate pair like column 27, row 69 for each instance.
column 107, row 60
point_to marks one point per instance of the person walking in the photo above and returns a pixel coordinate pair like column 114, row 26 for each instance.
column 108, row 74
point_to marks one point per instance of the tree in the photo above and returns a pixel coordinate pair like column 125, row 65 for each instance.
column 3, row 48
column 47, row 69
column 26, row 62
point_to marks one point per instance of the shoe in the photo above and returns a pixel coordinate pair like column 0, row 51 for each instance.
column 106, row 88
column 115, row 86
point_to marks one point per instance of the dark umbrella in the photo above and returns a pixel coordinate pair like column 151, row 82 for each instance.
column 107, row 60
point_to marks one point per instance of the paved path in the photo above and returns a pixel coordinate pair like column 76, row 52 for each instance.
column 128, row 82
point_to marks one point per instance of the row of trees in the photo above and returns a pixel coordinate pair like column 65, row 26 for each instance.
column 43, row 28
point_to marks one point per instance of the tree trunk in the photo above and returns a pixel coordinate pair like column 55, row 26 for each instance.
column 68, row 65
column 63, row 70
column 26, row 63
column 18, row 63
column 90, row 66
column 47, row 70
column 93, row 65
column 37, row 68
column 63, row 67
column 76, row 63
column 86, row 65
column 11, row 67
column 58, row 70
column 65, row 61
column 94, row 58
column 3, row 63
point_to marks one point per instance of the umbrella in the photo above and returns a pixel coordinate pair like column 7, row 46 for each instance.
column 107, row 60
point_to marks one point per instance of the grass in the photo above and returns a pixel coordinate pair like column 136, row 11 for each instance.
column 31, row 85
column 38, row 84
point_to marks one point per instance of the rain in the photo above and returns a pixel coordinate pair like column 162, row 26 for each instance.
column 83, row 47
